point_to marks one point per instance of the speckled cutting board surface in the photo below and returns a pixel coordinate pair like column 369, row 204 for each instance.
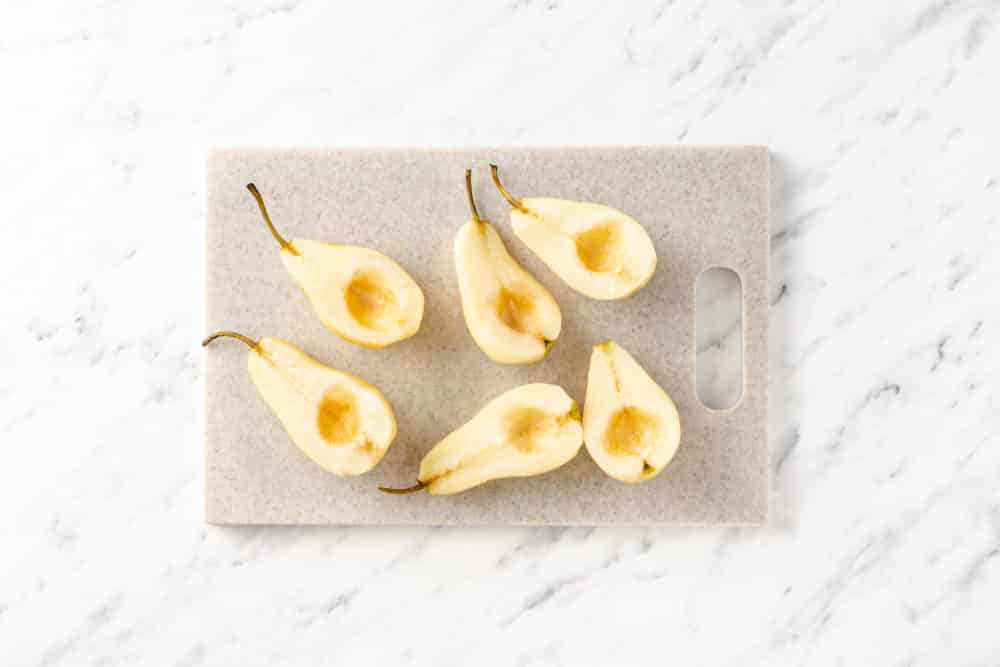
column 703, row 207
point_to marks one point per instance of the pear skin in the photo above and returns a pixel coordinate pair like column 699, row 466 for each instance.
column 510, row 315
column 360, row 294
column 597, row 250
column 338, row 420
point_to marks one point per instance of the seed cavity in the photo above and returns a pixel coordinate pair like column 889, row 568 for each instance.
column 517, row 310
column 527, row 428
column 370, row 301
column 338, row 417
column 600, row 248
column 632, row 430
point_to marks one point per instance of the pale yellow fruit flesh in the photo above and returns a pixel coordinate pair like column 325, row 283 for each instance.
column 338, row 420
column 511, row 316
column 526, row 431
column 599, row 251
column 358, row 293
column 631, row 426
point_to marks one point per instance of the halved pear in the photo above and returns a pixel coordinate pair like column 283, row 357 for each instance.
column 510, row 315
column 337, row 419
column 597, row 250
column 358, row 293
column 526, row 431
column 630, row 425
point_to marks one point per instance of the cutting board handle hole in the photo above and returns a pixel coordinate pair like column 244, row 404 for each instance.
column 719, row 338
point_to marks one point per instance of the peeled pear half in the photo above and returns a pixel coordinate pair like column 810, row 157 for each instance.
column 338, row 420
column 630, row 425
column 510, row 315
column 526, row 431
column 599, row 251
column 358, row 293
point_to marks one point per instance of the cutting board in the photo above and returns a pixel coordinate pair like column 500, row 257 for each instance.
column 703, row 207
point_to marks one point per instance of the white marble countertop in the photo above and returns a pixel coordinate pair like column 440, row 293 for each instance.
column 884, row 543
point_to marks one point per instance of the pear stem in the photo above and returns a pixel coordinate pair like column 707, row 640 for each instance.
column 230, row 334
column 516, row 203
column 410, row 489
column 267, row 218
column 468, row 191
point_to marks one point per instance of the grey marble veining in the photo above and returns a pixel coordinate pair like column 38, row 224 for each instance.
column 884, row 546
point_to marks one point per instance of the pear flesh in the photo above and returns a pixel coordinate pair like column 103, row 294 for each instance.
column 338, row 420
column 630, row 425
column 360, row 294
column 597, row 250
column 526, row 431
column 511, row 316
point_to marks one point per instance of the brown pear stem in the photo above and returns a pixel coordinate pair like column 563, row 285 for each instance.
column 468, row 191
column 410, row 489
column 516, row 203
column 267, row 218
column 230, row 334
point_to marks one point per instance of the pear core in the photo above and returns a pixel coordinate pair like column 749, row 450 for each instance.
column 516, row 310
column 370, row 302
column 528, row 427
column 600, row 248
column 632, row 430
column 338, row 418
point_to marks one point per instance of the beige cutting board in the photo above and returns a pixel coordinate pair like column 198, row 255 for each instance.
column 703, row 207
